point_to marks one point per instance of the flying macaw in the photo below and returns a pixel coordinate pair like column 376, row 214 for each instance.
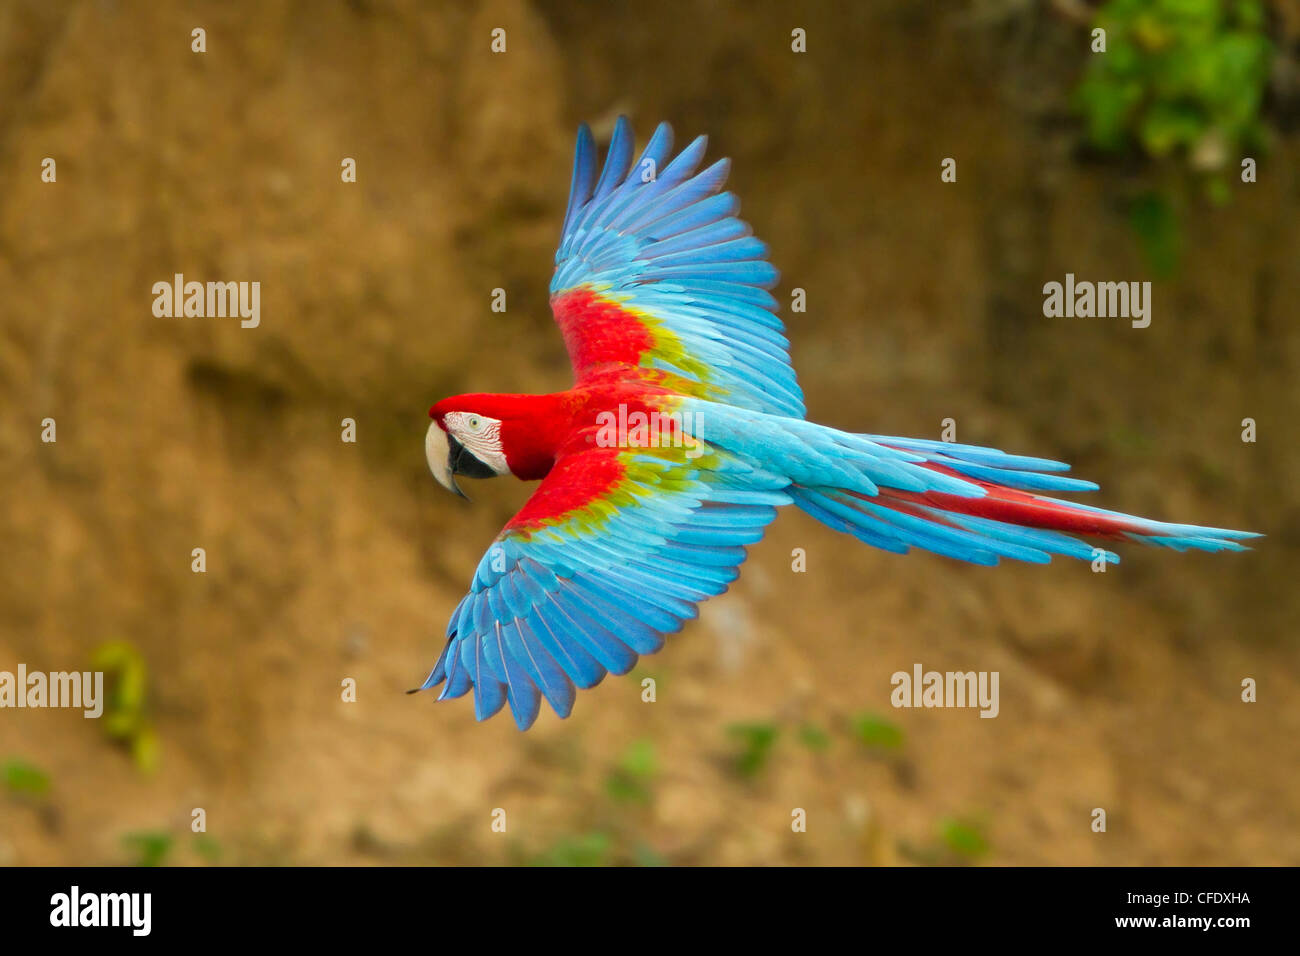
column 682, row 435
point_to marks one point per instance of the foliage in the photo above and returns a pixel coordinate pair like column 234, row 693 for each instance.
column 23, row 779
column 1154, row 221
column 125, row 714
column 965, row 838
column 150, row 848
column 585, row 849
column 755, row 742
column 1178, row 75
column 208, row 849
column 814, row 737
column 875, row 732
column 1182, row 81
column 155, row 847
column 630, row 779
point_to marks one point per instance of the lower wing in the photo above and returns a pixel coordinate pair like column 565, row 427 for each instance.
column 614, row 550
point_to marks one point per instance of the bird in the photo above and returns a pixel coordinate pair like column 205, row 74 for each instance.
column 684, row 432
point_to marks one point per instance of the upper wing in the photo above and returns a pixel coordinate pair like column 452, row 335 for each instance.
column 614, row 550
column 656, row 277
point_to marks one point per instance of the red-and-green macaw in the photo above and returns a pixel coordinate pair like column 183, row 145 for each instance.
column 682, row 435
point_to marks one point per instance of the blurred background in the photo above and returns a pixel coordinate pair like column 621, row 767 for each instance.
column 328, row 560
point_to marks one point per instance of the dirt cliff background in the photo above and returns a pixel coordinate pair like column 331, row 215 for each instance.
column 328, row 560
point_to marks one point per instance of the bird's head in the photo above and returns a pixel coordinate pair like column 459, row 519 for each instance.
column 463, row 440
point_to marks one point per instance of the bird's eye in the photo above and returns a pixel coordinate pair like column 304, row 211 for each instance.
column 473, row 423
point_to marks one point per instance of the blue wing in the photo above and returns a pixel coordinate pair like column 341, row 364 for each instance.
column 559, row 601
column 679, row 282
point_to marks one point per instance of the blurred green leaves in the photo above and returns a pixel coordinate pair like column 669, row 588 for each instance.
column 754, row 743
column 1154, row 221
column 814, row 738
column 1181, row 81
column 607, row 838
column 157, row 847
column 630, row 779
column 1178, row 74
column 963, row 838
column 22, row 779
column 208, row 849
column 960, row 841
column 872, row 730
column 585, row 849
column 148, row 848
column 125, row 717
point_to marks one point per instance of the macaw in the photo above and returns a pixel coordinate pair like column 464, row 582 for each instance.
column 682, row 435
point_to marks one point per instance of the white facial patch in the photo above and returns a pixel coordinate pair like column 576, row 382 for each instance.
column 481, row 436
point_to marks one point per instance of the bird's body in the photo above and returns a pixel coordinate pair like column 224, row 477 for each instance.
column 683, row 434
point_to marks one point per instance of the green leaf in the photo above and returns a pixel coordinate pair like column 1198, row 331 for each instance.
column 756, row 742
column 1153, row 218
column 874, row 731
column 1249, row 14
column 144, row 750
column 151, row 847
column 963, row 838
column 127, row 677
column 625, row 789
column 1170, row 125
column 587, row 849
column 1108, row 106
column 208, row 848
column 1174, row 69
column 629, row 780
column 639, row 759
column 814, row 738
column 1217, row 191
column 24, row 779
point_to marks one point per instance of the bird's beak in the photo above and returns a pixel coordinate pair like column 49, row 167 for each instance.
column 449, row 458
column 441, row 457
